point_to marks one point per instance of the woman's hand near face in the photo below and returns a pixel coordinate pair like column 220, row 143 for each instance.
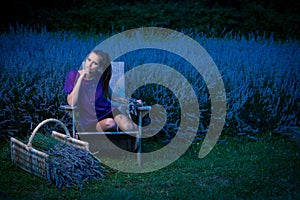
column 83, row 73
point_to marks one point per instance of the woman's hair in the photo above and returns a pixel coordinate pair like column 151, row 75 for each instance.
column 106, row 76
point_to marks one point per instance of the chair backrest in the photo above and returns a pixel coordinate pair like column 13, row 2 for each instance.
column 117, row 83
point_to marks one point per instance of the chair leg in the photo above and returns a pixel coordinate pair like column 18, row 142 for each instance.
column 139, row 140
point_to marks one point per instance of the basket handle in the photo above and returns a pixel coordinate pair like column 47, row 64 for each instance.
column 44, row 122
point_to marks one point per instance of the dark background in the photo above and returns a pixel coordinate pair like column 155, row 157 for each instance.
column 213, row 17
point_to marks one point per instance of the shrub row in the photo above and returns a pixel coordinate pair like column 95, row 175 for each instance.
column 261, row 79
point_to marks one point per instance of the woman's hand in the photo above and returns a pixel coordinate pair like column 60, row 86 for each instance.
column 83, row 73
column 139, row 102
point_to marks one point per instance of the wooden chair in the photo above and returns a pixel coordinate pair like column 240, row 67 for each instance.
column 129, row 141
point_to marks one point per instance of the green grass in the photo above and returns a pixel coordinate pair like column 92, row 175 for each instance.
column 235, row 169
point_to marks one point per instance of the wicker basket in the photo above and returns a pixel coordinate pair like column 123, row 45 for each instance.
column 35, row 161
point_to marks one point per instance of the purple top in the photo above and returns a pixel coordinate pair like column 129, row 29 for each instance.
column 92, row 104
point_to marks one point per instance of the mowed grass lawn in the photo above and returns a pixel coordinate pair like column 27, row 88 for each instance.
column 235, row 169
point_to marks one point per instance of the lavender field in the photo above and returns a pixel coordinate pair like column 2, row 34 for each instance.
column 261, row 78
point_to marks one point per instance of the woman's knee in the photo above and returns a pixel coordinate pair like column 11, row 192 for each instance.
column 106, row 124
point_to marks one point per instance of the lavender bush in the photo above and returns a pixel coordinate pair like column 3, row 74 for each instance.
column 261, row 77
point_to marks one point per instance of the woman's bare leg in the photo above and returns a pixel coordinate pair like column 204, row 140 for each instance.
column 125, row 124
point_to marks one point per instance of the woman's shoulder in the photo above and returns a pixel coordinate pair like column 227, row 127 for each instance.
column 73, row 71
column 72, row 74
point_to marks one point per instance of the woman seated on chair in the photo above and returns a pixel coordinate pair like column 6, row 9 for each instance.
column 88, row 89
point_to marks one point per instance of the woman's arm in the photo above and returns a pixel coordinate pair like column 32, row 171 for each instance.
column 72, row 98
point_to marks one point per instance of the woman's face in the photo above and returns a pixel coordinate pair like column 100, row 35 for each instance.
column 92, row 62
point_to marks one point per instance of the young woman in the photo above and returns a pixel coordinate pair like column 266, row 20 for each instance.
column 89, row 90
